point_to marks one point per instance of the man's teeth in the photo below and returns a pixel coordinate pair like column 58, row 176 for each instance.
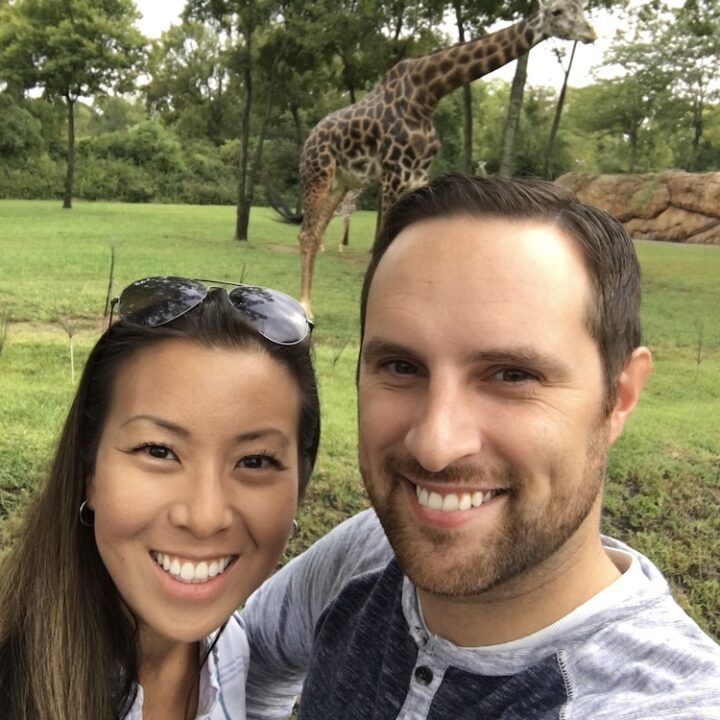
column 190, row 572
column 454, row 501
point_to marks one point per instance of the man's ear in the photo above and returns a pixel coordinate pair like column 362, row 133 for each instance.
column 628, row 389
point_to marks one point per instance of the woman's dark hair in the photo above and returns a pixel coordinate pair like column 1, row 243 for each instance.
column 67, row 644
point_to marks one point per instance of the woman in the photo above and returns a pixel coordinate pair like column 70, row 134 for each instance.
column 171, row 497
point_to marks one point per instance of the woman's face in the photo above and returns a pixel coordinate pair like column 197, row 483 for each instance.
column 196, row 482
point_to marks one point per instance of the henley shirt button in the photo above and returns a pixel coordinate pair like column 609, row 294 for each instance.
column 423, row 675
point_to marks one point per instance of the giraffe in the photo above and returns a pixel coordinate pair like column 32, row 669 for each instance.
column 389, row 135
column 345, row 209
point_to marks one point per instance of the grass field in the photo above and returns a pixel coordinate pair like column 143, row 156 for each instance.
column 664, row 476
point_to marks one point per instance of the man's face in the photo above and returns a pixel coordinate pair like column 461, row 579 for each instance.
column 482, row 433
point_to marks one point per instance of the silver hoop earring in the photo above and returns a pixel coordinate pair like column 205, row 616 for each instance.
column 83, row 518
column 295, row 529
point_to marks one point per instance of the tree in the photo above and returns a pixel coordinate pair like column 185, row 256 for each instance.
column 191, row 85
column 245, row 20
column 690, row 53
column 550, row 150
column 630, row 103
column 471, row 19
column 70, row 49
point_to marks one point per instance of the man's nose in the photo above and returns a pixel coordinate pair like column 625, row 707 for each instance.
column 204, row 508
column 446, row 428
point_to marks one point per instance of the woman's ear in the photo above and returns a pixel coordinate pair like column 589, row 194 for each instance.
column 90, row 493
column 628, row 389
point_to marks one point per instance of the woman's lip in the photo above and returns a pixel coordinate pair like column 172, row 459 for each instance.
column 194, row 558
column 192, row 591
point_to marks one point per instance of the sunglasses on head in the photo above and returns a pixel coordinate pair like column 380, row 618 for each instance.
column 159, row 300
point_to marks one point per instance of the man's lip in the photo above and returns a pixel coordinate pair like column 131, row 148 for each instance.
column 447, row 489
column 439, row 519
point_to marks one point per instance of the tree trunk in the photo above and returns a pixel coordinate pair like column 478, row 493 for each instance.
column 507, row 166
column 556, row 120
column 633, row 149
column 300, row 135
column 243, row 207
column 467, row 100
column 257, row 159
column 348, row 80
column 697, row 134
column 70, row 174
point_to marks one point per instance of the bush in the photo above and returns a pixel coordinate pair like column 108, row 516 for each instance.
column 113, row 179
column 147, row 144
column 35, row 178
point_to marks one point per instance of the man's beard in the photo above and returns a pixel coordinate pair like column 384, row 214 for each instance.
column 454, row 563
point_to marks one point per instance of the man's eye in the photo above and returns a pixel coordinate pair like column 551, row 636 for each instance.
column 513, row 375
column 401, row 367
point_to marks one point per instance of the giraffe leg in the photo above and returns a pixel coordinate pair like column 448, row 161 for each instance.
column 318, row 210
column 378, row 217
column 345, row 240
column 347, row 207
column 387, row 195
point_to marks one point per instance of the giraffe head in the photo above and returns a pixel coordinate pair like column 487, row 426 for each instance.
column 565, row 19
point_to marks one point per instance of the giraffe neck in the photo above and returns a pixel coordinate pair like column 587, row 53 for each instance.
column 446, row 70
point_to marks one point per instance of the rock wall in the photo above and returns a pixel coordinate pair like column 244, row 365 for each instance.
column 674, row 205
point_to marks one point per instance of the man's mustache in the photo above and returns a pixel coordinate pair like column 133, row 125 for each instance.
column 471, row 474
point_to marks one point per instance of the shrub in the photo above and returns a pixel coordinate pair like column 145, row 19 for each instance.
column 113, row 179
column 36, row 178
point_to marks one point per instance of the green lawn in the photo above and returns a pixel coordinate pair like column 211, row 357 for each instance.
column 664, row 476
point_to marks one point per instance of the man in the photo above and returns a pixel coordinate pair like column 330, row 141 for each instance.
column 500, row 359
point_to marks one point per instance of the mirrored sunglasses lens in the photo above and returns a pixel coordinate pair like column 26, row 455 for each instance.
column 158, row 300
column 276, row 316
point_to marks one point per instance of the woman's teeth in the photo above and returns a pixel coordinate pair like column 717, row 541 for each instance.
column 454, row 501
column 191, row 572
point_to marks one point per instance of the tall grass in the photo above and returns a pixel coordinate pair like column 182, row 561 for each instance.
column 663, row 485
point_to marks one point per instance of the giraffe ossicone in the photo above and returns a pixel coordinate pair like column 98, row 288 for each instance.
column 389, row 136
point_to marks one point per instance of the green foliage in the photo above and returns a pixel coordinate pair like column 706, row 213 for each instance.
column 20, row 132
column 111, row 113
column 70, row 49
column 37, row 177
column 147, row 144
column 191, row 85
column 187, row 132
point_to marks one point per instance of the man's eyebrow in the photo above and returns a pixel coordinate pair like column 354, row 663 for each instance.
column 377, row 348
column 522, row 355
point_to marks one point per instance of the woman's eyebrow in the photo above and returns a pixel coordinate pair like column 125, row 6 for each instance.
column 160, row 422
column 250, row 435
column 263, row 433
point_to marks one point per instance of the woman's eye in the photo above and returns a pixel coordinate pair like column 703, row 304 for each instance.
column 159, row 452
column 260, row 462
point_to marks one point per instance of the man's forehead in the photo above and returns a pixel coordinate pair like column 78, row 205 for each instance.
column 482, row 278
column 465, row 245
